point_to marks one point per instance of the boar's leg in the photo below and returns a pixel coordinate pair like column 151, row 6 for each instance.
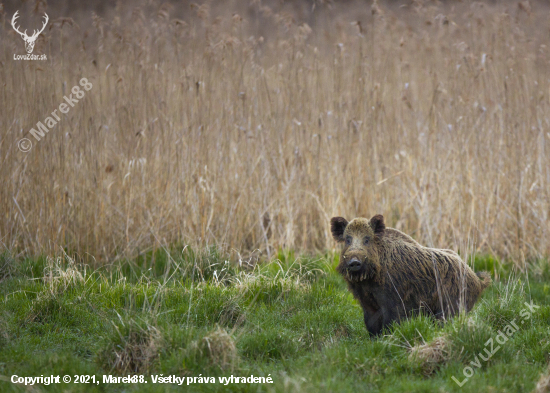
column 377, row 321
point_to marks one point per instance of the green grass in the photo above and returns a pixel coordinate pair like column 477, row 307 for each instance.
column 193, row 313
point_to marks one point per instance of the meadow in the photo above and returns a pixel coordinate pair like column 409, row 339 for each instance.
column 176, row 220
column 191, row 314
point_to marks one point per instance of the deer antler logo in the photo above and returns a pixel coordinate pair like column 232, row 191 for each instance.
column 29, row 41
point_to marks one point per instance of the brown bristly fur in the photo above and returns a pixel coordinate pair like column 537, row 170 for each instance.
column 398, row 278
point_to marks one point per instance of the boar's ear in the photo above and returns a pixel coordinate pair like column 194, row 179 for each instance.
column 377, row 224
column 337, row 227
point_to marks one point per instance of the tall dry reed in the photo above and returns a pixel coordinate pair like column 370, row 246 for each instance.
column 250, row 125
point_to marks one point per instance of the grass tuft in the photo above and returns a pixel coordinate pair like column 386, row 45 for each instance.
column 543, row 385
column 431, row 356
column 60, row 273
column 132, row 347
column 503, row 304
column 232, row 314
column 219, row 347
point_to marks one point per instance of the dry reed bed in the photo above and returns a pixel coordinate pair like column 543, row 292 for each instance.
column 250, row 126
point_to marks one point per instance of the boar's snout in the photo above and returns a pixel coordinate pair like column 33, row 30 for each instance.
column 354, row 264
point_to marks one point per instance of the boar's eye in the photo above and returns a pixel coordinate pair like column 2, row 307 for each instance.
column 348, row 240
column 366, row 240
